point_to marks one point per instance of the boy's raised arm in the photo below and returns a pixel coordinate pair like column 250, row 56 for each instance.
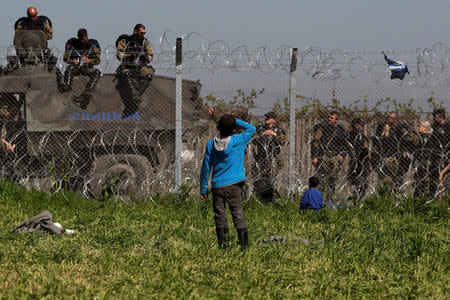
column 249, row 131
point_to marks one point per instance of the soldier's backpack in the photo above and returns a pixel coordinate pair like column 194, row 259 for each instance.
column 127, row 37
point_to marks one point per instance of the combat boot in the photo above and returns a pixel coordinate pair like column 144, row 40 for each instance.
column 131, row 106
column 223, row 237
column 243, row 237
column 83, row 100
column 144, row 84
column 85, row 97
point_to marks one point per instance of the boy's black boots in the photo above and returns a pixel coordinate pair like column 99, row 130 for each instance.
column 222, row 237
column 243, row 237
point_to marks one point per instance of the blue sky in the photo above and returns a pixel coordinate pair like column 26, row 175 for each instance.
column 328, row 24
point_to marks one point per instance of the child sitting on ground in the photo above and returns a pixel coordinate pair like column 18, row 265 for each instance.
column 312, row 199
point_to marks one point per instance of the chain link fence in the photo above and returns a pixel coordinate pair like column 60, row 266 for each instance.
column 346, row 120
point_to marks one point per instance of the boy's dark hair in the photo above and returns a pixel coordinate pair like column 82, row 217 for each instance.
column 226, row 125
column 81, row 33
column 313, row 182
column 439, row 112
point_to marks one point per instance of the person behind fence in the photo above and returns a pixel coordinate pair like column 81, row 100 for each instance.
column 266, row 149
column 420, row 146
column 6, row 116
column 440, row 155
column 391, row 157
column 13, row 137
column 312, row 199
column 359, row 168
column 35, row 22
column 134, row 73
column 81, row 54
column 224, row 158
column 328, row 149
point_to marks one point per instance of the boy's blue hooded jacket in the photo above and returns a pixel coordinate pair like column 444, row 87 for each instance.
column 226, row 158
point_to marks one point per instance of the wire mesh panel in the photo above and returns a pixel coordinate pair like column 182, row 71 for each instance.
column 356, row 151
column 372, row 139
column 105, row 126
column 248, row 84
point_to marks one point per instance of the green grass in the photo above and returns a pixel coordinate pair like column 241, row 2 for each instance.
column 167, row 249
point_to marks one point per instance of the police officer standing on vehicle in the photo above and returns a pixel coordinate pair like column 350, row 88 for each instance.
column 35, row 22
column 81, row 55
column 359, row 169
column 134, row 74
column 390, row 156
column 328, row 149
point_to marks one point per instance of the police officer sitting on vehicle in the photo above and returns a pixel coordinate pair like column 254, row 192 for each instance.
column 135, row 53
column 81, row 55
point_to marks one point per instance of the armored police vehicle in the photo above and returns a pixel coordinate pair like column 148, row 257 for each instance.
column 93, row 145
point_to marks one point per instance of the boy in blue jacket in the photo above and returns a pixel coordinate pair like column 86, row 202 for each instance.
column 312, row 199
column 224, row 156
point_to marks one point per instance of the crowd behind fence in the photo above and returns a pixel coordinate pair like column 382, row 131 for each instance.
column 360, row 147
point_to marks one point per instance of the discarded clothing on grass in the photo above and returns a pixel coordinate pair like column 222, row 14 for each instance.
column 41, row 223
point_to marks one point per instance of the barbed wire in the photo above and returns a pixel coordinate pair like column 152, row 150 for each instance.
column 89, row 167
column 314, row 62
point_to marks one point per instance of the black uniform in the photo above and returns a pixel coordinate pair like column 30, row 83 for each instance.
column 266, row 149
column 390, row 156
column 42, row 23
column 420, row 148
column 76, row 50
column 359, row 170
column 328, row 142
column 134, row 73
column 440, row 154
column 24, row 56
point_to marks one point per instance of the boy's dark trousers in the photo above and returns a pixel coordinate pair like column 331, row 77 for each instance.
column 231, row 194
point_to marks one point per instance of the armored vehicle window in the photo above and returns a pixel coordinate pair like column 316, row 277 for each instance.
column 11, row 105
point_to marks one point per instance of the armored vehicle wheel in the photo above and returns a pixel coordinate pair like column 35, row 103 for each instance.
column 120, row 174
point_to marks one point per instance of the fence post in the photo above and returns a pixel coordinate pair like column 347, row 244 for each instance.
column 292, row 106
column 178, row 113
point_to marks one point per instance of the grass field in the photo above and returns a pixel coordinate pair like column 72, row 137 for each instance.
column 167, row 249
